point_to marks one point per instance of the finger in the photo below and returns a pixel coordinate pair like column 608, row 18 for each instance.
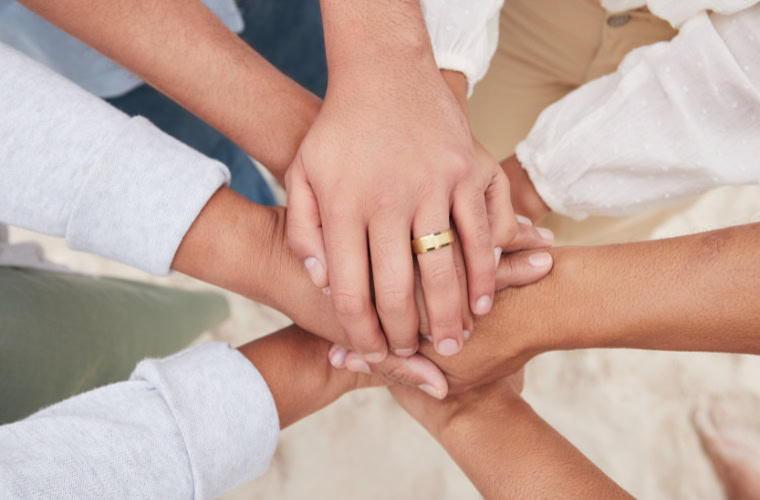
column 468, row 321
column 393, row 276
column 471, row 219
column 416, row 371
column 501, row 216
column 523, row 268
column 529, row 237
column 337, row 357
column 304, row 226
column 346, row 241
column 439, row 281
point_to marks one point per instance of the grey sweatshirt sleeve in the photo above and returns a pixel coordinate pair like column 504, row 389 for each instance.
column 73, row 166
column 193, row 425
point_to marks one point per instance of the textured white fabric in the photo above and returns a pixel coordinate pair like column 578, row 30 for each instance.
column 464, row 34
column 73, row 166
column 676, row 119
column 193, row 425
column 32, row 35
column 677, row 12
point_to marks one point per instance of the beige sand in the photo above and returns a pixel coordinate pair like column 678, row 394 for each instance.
column 627, row 410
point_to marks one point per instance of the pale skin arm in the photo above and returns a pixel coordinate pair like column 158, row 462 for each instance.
column 390, row 156
column 181, row 48
column 505, row 448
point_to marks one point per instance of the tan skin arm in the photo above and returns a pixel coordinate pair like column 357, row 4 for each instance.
column 505, row 448
column 181, row 48
column 295, row 368
column 692, row 293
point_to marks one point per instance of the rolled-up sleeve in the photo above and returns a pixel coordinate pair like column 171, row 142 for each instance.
column 193, row 425
column 73, row 166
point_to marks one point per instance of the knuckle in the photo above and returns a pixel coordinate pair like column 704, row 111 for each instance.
column 510, row 230
column 461, row 165
column 448, row 324
column 394, row 301
column 440, row 275
column 480, row 237
column 399, row 373
column 297, row 240
column 350, row 305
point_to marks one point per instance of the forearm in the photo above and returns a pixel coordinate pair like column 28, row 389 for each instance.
column 241, row 246
column 295, row 366
column 182, row 49
column 693, row 293
column 508, row 451
column 377, row 34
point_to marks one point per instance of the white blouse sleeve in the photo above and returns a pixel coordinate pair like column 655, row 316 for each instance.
column 677, row 119
column 464, row 34
column 193, row 425
column 73, row 166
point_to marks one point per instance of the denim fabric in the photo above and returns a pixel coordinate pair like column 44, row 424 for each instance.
column 289, row 35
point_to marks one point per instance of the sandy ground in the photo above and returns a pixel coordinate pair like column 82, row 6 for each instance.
column 626, row 410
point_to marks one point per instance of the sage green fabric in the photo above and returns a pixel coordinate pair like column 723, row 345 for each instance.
column 62, row 334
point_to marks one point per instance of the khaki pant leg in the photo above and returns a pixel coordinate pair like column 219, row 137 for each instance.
column 548, row 48
column 544, row 52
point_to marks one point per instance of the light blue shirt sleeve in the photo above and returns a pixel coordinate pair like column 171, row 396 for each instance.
column 193, row 425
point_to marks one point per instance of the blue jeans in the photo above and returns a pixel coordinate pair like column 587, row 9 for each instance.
column 289, row 35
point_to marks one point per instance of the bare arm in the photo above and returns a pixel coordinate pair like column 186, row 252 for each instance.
column 295, row 367
column 182, row 49
column 505, row 448
column 692, row 293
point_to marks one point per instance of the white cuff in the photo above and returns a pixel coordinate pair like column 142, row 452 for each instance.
column 224, row 411
column 464, row 35
column 136, row 208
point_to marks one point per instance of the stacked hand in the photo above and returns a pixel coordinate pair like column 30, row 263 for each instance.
column 489, row 354
column 374, row 172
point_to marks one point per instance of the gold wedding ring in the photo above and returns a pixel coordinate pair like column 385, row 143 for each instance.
column 434, row 241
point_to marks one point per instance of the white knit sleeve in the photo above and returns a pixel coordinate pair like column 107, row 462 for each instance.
column 464, row 34
column 193, row 425
column 73, row 166
column 676, row 119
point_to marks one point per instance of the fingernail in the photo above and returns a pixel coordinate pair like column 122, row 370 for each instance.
column 546, row 234
column 357, row 366
column 483, row 305
column 466, row 335
column 315, row 269
column 338, row 357
column 405, row 353
column 497, row 255
column 430, row 390
column 523, row 220
column 428, row 338
column 326, row 290
column 447, row 347
column 541, row 259
column 374, row 357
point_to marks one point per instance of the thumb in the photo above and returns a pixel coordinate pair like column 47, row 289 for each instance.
column 304, row 225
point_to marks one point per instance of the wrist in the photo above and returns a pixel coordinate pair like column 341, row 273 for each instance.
column 232, row 244
column 378, row 37
column 457, row 83
column 295, row 366
column 525, row 199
